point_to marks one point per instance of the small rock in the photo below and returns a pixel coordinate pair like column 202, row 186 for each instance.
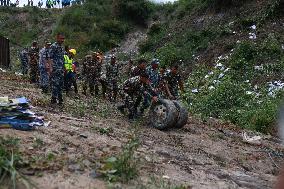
column 28, row 172
column 30, row 148
column 83, row 136
column 75, row 168
column 148, row 158
column 94, row 174
column 166, row 177
column 87, row 163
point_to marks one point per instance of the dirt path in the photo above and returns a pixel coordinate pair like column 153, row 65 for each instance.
column 201, row 155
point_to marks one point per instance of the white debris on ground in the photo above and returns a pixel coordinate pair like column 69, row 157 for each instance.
column 194, row 90
column 253, row 27
column 249, row 92
column 211, row 88
column 18, row 74
column 2, row 70
column 259, row 68
column 221, row 75
column 282, row 46
column 274, row 87
column 252, row 35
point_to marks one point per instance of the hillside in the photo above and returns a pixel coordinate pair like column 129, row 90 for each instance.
column 24, row 25
column 234, row 53
column 231, row 57
column 95, row 25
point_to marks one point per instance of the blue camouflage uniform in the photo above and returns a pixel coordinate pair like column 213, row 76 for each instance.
column 44, row 77
column 56, row 53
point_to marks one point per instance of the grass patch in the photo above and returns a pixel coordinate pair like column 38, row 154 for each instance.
column 124, row 166
column 10, row 162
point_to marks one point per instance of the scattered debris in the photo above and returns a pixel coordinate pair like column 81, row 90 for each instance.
column 18, row 74
column 274, row 87
column 252, row 35
column 194, row 91
column 211, row 88
column 2, row 70
column 15, row 113
column 255, row 140
column 259, row 68
column 249, row 92
column 253, row 27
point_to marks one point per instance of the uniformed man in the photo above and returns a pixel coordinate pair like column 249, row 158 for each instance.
column 173, row 83
column 154, row 78
column 90, row 73
column 69, row 72
column 134, row 88
column 57, row 57
column 33, row 62
column 153, row 73
column 162, row 88
column 98, row 62
column 139, row 69
column 112, row 74
column 44, row 67
column 102, row 79
column 24, row 61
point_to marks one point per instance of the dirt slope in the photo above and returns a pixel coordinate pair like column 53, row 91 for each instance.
column 201, row 155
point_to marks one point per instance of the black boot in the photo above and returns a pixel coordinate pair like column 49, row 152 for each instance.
column 53, row 100
column 121, row 109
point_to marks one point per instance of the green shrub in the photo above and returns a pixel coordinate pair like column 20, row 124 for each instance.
column 123, row 167
column 218, row 103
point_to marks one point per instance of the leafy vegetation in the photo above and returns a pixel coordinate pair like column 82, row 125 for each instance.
column 124, row 166
column 10, row 162
column 232, row 78
column 101, row 24
column 236, row 90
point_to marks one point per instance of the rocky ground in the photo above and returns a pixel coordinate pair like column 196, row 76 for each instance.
column 82, row 135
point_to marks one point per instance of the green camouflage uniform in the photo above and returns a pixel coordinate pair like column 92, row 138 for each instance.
column 91, row 75
column 112, row 73
column 34, row 57
column 133, row 91
column 173, row 83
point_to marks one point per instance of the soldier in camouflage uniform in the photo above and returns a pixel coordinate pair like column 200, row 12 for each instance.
column 173, row 83
column 98, row 61
column 24, row 61
column 154, row 78
column 162, row 88
column 90, row 73
column 112, row 70
column 44, row 67
column 56, row 54
column 103, row 81
column 133, row 89
column 139, row 69
column 34, row 56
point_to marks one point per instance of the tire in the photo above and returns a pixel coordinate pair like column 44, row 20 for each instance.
column 182, row 114
column 163, row 114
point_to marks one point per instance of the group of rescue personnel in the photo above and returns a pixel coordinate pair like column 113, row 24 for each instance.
column 55, row 69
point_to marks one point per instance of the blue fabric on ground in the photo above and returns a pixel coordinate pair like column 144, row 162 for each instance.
column 17, row 115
